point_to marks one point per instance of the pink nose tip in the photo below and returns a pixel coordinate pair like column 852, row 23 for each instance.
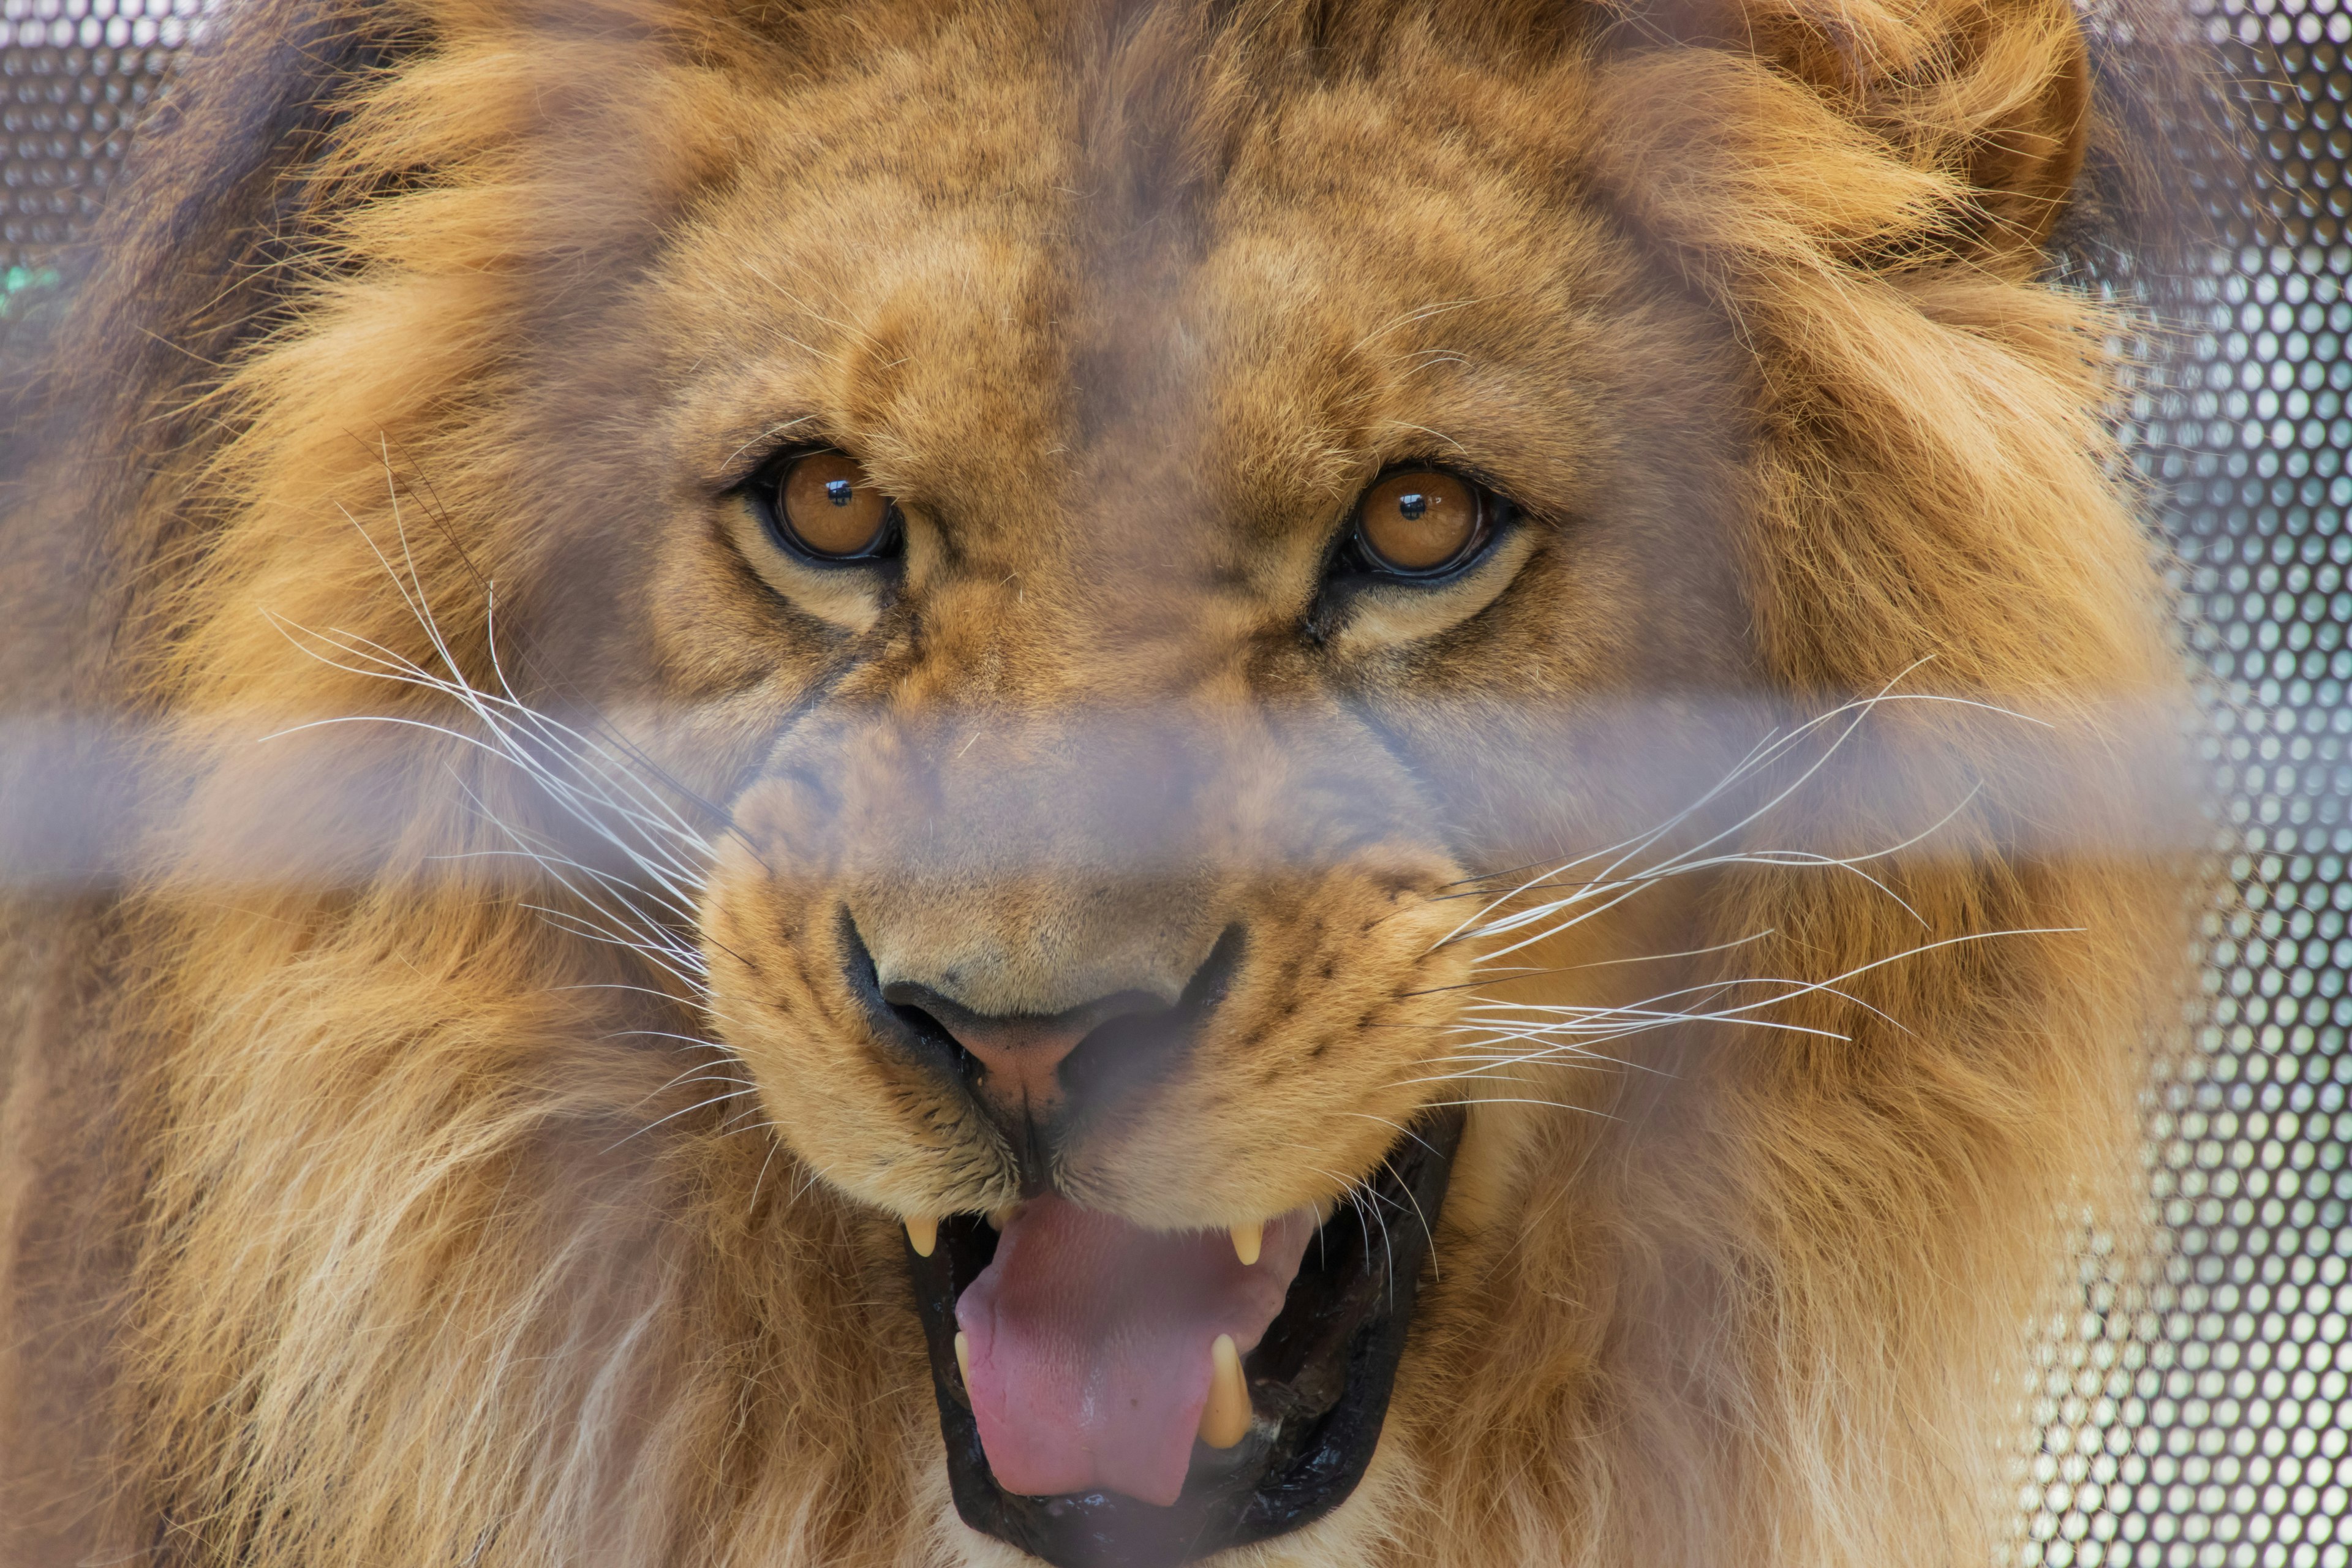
column 1020, row 1060
column 1020, row 1055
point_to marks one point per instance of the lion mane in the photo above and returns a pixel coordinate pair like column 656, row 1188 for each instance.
column 354, row 1207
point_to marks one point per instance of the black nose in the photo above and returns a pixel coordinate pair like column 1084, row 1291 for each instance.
column 1038, row 1077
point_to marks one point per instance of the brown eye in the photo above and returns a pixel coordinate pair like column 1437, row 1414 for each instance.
column 1419, row 521
column 829, row 507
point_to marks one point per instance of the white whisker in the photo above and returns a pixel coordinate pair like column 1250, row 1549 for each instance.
column 714, row 1100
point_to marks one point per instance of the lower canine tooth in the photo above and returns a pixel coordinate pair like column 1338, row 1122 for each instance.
column 922, row 1234
column 1249, row 1241
column 964, row 1358
column 1225, row 1418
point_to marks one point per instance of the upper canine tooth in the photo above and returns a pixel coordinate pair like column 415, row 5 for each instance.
column 1249, row 1241
column 963, row 1357
column 1225, row 1418
column 998, row 1217
column 922, row 1233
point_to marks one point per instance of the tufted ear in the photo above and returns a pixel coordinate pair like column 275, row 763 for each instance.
column 2022, row 164
column 1888, row 131
column 1993, row 96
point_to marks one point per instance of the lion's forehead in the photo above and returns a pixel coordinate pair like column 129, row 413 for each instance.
column 958, row 293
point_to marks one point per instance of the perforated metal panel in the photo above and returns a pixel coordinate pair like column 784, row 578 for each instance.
column 2195, row 1408
column 74, row 75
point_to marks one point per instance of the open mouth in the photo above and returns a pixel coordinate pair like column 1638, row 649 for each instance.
column 1077, row 1375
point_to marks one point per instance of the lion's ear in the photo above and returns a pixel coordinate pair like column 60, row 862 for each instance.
column 1992, row 95
column 1752, row 135
column 2023, row 166
column 1988, row 100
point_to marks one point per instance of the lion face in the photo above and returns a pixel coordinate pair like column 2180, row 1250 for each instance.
column 1131, row 750
column 1128, row 620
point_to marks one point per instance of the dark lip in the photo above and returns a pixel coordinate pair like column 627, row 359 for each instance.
column 1324, row 1373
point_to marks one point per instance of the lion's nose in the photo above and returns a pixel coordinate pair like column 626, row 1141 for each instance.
column 1019, row 1058
column 1038, row 1075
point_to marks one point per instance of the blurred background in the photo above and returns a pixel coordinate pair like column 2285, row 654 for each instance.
column 2194, row 1408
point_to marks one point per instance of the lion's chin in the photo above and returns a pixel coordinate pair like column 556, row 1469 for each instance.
column 1318, row 1382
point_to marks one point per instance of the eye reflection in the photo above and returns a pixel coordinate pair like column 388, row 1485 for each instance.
column 1421, row 521
column 826, row 505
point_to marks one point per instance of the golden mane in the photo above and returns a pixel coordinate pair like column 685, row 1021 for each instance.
column 347, row 1220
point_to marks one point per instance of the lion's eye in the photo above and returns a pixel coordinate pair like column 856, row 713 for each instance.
column 825, row 507
column 1421, row 522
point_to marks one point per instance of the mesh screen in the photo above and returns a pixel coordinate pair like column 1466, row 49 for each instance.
column 74, row 74
column 2195, row 1408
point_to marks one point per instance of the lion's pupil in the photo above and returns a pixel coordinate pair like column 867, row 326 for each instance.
column 1412, row 505
column 838, row 491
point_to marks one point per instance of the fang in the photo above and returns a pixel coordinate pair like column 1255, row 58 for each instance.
column 1225, row 1418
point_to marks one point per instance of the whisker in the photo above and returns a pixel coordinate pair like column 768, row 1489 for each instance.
column 646, row 912
column 714, row 1100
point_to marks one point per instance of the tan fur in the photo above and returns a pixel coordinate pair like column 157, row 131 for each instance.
column 358, row 1216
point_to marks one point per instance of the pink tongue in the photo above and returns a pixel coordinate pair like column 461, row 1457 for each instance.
column 1090, row 1340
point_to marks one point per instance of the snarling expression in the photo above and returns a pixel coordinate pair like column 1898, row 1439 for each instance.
column 1146, row 580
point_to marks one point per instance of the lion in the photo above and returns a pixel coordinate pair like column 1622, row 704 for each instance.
column 1119, row 781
